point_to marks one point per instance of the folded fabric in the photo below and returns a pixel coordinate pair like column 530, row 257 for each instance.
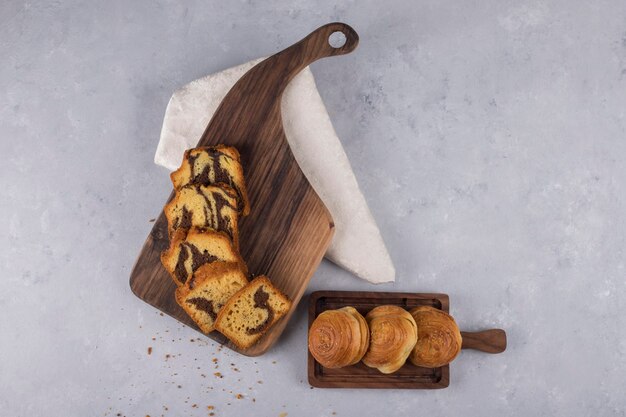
column 357, row 245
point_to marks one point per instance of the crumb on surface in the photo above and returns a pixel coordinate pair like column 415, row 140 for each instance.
column 149, row 350
column 210, row 407
column 218, row 374
column 239, row 396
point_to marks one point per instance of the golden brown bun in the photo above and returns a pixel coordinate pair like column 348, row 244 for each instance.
column 338, row 338
column 393, row 334
column 440, row 339
column 364, row 329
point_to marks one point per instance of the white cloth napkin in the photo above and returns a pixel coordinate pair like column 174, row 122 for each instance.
column 357, row 244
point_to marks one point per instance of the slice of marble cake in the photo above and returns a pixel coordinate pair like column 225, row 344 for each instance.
column 189, row 250
column 209, row 207
column 213, row 165
column 251, row 312
column 212, row 286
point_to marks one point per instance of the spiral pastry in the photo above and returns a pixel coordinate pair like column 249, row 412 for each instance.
column 338, row 338
column 393, row 335
column 440, row 339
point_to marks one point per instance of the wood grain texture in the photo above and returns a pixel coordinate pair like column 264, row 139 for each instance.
column 409, row 376
column 289, row 228
column 488, row 341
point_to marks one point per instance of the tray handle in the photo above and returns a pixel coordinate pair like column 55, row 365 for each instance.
column 489, row 341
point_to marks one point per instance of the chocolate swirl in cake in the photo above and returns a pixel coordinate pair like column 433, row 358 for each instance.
column 212, row 173
column 198, row 259
column 261, row 301
column 180, row 271
column 205, row 305
column 184, row 221
column 221, row 222
column 215, row 218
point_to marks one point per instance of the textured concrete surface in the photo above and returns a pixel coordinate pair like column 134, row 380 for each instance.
column 488, row 138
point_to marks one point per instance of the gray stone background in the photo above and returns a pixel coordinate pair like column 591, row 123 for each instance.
column 488, row 138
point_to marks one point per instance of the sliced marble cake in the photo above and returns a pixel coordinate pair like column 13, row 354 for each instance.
column 208, row 207
column 213, row 284
column 251, row 312
column 189, row 250
column 213, row 165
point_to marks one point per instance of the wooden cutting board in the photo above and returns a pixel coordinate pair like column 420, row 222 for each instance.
column 409, row 376
column 289, row 228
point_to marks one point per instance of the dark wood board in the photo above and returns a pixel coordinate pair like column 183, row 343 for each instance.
column 289, row 228
column 407, row 377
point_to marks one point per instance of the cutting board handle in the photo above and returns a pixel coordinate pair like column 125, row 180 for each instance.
column 489, row 341
column 317, row 43
column 314, row 46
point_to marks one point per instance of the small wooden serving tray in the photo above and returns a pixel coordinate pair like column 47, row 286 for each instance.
column 409, row 376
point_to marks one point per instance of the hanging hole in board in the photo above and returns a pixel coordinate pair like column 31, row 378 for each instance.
column 337, row 39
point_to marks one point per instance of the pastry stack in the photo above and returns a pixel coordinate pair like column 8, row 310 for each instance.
column 385, row 338
column 203, row 258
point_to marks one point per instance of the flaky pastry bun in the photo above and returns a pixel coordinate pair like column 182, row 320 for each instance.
column 393, row 335
column 440, row 339
column 338, row 338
